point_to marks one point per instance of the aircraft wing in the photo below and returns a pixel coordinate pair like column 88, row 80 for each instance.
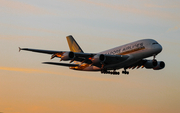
column 78, row 56
column 89, row 58
column 61, row 64
column 41, row 51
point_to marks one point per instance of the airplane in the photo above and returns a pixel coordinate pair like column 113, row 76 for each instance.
column 128, row 56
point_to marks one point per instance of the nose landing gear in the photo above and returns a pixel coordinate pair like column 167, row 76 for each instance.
column 154, row 57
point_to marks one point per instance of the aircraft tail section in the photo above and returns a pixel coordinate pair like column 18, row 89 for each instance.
column 73, row 45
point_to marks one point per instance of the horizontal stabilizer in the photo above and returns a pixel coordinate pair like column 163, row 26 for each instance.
column 61, row 64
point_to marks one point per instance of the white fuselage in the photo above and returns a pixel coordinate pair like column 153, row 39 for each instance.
column 136, row 51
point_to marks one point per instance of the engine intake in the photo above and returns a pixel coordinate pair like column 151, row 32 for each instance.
column 67, row 56
column 160, row 65
column 150, row 64
column 99, row 58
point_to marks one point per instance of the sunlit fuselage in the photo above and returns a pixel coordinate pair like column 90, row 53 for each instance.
column 136, row 51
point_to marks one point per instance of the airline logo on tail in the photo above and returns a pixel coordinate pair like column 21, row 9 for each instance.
column 73, row 45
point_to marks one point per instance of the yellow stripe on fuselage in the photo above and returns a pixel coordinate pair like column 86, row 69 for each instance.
column 131, row 51
column 84, row 65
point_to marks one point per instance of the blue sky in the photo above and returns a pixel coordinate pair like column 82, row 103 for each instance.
column 26, row 85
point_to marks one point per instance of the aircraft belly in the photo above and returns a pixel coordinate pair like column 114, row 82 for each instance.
column 129, row 61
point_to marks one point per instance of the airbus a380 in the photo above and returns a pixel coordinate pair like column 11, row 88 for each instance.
column 128, row 56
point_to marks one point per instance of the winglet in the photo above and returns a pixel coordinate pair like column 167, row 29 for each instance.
column 19, row 49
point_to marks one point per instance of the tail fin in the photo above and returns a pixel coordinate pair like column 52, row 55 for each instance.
column 73, row 45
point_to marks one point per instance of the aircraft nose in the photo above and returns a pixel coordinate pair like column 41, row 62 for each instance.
column 159, row 48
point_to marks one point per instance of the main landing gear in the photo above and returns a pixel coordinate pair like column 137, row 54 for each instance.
column 125, row 72
column 110, row 72
column 114, row 72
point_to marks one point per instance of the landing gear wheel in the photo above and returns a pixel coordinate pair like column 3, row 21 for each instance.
column 125, row 72
column 110, row 72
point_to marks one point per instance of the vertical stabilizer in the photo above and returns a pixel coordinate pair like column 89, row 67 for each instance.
column 73, row 45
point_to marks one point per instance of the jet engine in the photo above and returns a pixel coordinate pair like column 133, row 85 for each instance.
column 160, row 65
column 99, row 58
column 67, row 56
column 150, row 64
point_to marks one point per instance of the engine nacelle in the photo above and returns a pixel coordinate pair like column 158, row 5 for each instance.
column 67, row 56
column 160, row 65
column 99, row 58
column 150, row 64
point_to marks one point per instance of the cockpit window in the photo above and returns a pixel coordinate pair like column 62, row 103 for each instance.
column 154, row 43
